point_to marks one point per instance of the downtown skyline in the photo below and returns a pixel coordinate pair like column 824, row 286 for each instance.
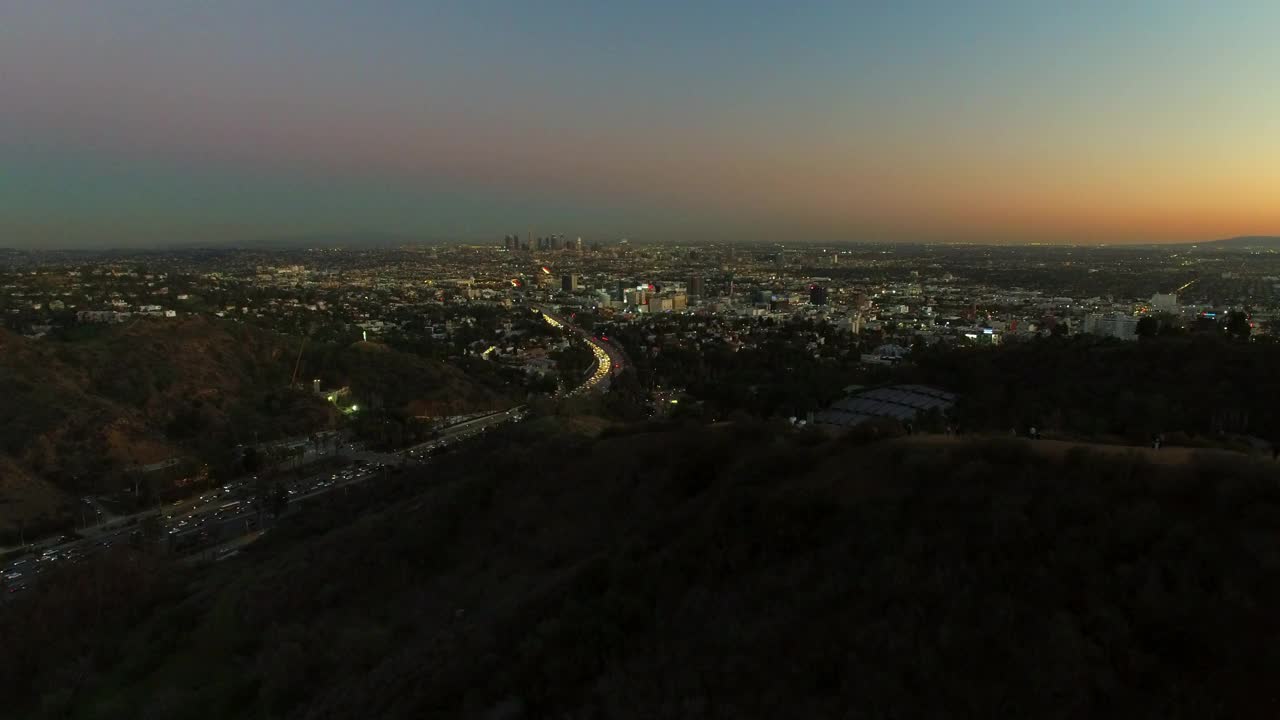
column 136, row 122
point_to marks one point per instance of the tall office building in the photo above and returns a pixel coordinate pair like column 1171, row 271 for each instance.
column 635, row 296
column 569, row 283
column 695, row 287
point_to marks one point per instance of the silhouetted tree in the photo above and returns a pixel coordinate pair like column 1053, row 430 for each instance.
column 1238, row 325
column 1203, row 324
column 252, row 460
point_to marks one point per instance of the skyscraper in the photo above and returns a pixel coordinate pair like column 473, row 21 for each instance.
column 569, row 283
column 695, row 286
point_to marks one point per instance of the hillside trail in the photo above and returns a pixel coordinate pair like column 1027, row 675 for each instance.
column 1057, row 449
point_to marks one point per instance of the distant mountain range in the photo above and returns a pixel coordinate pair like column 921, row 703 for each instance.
column 371, row 240
column 265, row 243
column 348, row 239
column 1248, row 241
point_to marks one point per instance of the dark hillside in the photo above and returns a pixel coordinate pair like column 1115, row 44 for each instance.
column 719, row 572
column 1261, row 242
column 1192, row 385
column 111, row 397
column 80, row 410
column 408, row 384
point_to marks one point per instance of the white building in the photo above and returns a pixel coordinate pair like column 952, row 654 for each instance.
column 1124, row 327
column 1167, row 303
column 852, row 324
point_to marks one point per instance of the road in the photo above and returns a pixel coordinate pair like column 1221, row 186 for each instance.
column 608, row 358
column 462, row 431
column 218, row 522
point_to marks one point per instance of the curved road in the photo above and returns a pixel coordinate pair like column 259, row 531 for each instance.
column 608, row 358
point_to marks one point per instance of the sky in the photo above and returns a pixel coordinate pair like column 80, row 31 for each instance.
column 158, row 122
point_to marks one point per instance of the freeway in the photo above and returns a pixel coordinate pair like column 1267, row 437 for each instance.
column 220, row 521
column 608, row 357
column 462, row 431
column 222, row 518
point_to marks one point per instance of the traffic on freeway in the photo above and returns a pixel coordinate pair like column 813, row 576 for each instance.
column 608, row 359
column 222, row 518
column 228, row 515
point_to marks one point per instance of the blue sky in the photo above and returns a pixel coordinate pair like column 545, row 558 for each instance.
column 142, row 122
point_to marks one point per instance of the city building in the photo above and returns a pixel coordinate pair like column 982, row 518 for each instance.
column 899, row 402
column 887, row 354
column 1124, row 327
column 569, row 283
column 636, row 296
column 1167, row 303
